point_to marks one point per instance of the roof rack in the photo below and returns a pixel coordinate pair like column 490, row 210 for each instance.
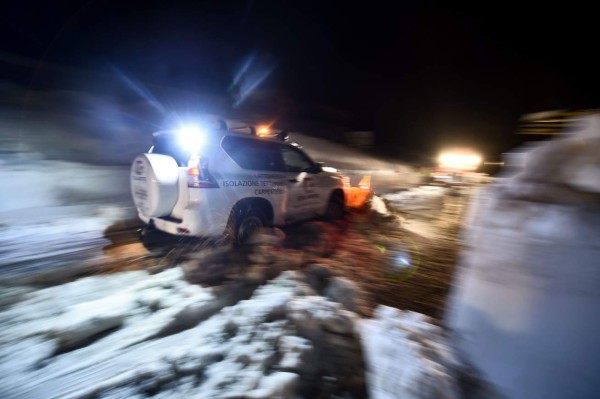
column 281, row 135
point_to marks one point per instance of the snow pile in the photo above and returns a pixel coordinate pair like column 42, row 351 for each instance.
column 338, row 356
column 53, row 216
column 529, row 280
column 418, row 198
column 378, row 205
column 111, row 336
column 408, row 357
column 385, row 175
column 346, row 292
column 54, row 183
column 129, row 335
column 563, row 170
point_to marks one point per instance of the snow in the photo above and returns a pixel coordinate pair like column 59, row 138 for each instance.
column 344, row 291
column 133, row 334
column 528, row 281
column 418, row 206
column 418, row 198
column 44, row 183
column 54, row 215
column 233, row 350
column 408, row 357
column 378, row 205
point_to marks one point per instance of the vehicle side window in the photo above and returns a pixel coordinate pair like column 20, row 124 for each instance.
column 254, row 154
column 295, row 160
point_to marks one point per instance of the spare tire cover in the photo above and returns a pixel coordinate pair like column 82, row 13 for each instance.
column 154, row 184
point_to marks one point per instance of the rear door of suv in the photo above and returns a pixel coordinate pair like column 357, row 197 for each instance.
column 260, row 172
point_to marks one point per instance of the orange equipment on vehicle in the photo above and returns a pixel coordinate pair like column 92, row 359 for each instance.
column 356, row 197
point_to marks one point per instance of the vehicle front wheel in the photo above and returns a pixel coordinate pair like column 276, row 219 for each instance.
column 335, row 207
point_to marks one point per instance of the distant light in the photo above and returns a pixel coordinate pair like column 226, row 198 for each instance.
column 460, row 159
column 329, row 169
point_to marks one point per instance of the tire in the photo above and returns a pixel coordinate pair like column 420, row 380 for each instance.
column 248, row 226
column 154, row 184
column 335, row 208
column 243, row 223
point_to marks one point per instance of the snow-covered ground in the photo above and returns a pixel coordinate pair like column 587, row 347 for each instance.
column 136, row 335
column 53, row 215
column 386, row 176
column 417, row 207
column 420, row 198
column 408, row 357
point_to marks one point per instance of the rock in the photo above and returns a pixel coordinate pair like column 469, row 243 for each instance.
column 255, row 274
column 267, row 236
column 277, row 385
column 296, row 354
column 344, row 291
column 261, row 255
column 83, row 321
column 331, row 330
column 341, row 322
column 317, row 276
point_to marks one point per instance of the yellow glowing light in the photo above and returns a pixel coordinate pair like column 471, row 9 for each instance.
column 464, row 160
column 263, row 130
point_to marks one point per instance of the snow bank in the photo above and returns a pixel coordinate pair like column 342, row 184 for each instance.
column 38, row 183
column 526, row 297
column 113, row 336
column 408, row 357
column 386, row 176
column 378, row 205
column 418, row 198
column 53, row 216
column 137, row 335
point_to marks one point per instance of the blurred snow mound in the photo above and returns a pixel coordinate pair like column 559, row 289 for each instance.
column 528, row 276
column 570, row 162
column 408, row 357
column 379, row 206
column 423, row 197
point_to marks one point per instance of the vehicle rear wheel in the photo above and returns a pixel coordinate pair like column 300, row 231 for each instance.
column 335, row 207
column 242, row 224
column 248, row 226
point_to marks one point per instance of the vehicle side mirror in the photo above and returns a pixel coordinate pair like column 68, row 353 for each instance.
column 315, row 168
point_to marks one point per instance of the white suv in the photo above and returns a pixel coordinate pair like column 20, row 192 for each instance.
column 218, row 182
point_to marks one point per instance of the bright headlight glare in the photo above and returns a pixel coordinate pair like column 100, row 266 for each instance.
column 459, row 160
column 190, row 137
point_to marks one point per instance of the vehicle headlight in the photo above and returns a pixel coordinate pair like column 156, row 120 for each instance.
column 191, row 137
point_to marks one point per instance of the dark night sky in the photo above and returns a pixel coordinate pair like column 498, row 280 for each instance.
column 422, row 75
